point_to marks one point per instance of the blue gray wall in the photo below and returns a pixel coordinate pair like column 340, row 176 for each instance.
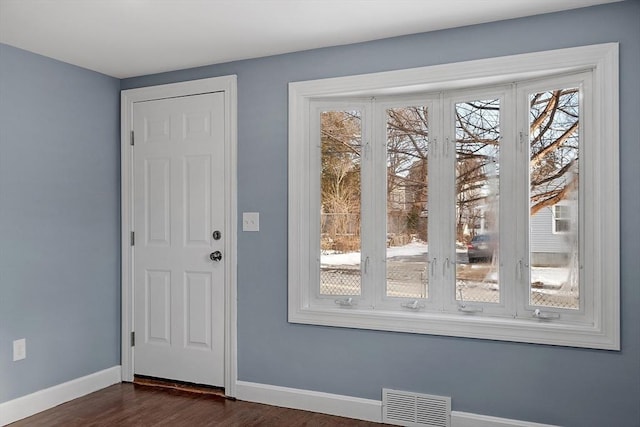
column 566, row 386
column 59, row 221
column 59, row 228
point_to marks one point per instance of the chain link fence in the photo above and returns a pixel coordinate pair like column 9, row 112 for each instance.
column 407, row 279
column 340, row 281
column 554, row 297
column 479, row 283
column 476, row 282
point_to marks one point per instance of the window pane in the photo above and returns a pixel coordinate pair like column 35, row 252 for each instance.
column 561, row 219
column 477, row 200
column 341, row 143
column 407, row 155
column 554, row 141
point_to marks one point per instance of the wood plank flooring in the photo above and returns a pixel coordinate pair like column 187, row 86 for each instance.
column 127, row 404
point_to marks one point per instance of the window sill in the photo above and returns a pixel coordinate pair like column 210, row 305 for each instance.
column 470, row 325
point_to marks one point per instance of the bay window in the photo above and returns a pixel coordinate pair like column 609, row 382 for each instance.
column 416, row 199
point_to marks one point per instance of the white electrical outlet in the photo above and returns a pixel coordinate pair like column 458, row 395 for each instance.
column 19, row 349
column 250, row 221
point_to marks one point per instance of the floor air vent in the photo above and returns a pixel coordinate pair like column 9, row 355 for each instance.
column 404, row 408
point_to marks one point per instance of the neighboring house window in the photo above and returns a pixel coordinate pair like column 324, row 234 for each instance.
column 561, row 219
column 411, row 194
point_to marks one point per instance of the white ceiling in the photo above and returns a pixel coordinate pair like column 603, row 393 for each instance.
column 126, row 38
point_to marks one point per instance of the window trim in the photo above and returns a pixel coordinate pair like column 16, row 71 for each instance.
column 589, row 307
column 604, row 332
column 314, row 169
column 505, row 93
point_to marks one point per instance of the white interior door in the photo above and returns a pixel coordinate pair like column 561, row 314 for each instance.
column 178, row 217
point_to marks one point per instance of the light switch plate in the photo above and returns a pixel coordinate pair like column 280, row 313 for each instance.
column 250, row 221
column 19, row 349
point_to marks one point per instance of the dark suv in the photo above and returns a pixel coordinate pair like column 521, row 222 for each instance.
column 481, row 248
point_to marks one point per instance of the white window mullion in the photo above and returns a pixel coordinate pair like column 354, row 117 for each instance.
column 510, row 166
column 521, row 208
column 446, row 248
column 378, row 190
column 367, row 216
column 370, row 233
column 438, row 201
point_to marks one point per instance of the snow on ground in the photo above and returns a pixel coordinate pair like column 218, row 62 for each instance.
column 349, row 258
column 412, row 249
column 550, row 276
column 353, row 258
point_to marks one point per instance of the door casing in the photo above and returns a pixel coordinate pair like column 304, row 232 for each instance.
column 227, row 84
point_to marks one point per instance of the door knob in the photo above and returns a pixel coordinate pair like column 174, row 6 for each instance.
column 216, row 256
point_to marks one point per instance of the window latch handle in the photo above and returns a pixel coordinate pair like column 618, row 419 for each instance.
column 469, row 308
column 546, row 315
column 433, row 266
column 413, row 305
column 447, row 264
column 520, row 268
column 347, row 302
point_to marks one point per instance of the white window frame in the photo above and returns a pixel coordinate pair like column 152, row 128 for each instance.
column 362, row 105
column 589, row 307
column 601, row 272
column 507, row 150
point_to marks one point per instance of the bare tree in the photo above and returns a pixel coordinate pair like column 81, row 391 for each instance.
column 553, row 170
column 340, row 184
column 553, row 141
column 407, row 166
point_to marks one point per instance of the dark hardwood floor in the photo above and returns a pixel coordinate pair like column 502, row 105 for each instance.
column 139, row 405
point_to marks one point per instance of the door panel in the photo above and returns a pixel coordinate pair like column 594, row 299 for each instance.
column 178, row 203
column 198, row 307
column 157, row 200
column 158, row 307
column 197, row 171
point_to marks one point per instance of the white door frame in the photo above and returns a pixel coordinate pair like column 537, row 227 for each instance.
column 227, row 84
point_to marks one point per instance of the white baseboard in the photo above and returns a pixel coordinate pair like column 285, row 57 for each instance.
column 466, row 419
column 314, row 401
column 352, row 407
column 31, row 404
